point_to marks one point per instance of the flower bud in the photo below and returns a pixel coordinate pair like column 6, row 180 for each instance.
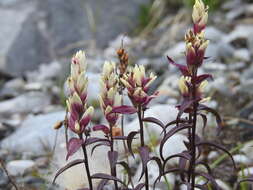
column 199, row 16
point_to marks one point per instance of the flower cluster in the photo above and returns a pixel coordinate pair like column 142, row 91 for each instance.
column 185, row 87
column 199, row 16
column 109, row 96
column 79, row 115
column 137, row 84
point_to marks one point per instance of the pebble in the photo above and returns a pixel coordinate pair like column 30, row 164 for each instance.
column 19, row 167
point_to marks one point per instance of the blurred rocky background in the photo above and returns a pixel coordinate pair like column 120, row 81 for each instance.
column 38, row 38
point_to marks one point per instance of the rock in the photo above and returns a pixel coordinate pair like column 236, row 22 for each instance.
column 36, row 129
column 12, row 88
column 25, row 103
column 240, row 32
column 242, row 54
column 10, row 33
column 176, row 52
column 247, row 149
column 45, row 72
column 241, row 159
column 19, row 167
column 213, row 34
column 225, row 50
column 28, row 49
column 91, row 21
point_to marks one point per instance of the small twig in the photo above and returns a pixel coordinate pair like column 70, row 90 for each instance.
column 239, row 119
column 7, row 174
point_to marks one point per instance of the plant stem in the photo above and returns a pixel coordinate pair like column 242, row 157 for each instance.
column 193, row 135
column 113, row 169
column 86, row 163
column 7, row 174
column 140, row 117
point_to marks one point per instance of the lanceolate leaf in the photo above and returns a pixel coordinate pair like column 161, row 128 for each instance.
column 124, row 109
column 130, row 138
column 113, row 157
column 98, row 145
column 171, row 133
column 203, row 77
column 204, row 118
column 210, row 178
column 127, row 168
column 69, row 165
column 73, row 145
column 144, row 154
column 177, row 121
column 102, row 183
column 214, row 112
column 184, row 70
column 207, row 143
column 154, row 120
column 184, row 155
column 139, row 186
column 103, row 128
column 108, row 177
column 92, row 140
column 184, row 105
column 205, row 165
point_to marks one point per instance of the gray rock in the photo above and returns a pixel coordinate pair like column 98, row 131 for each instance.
column 29, row 48
column 12, row 88
column 9, row 32
column 240, row 32
column 213, row 34
column 78, row 22
column 19, row 167
column 34, row 135
column 26, row 103
column 177, row 51
column 242, row 54
column 225, row 50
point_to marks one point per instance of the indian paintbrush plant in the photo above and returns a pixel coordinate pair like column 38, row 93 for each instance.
column 192, row 85
column 119, row 78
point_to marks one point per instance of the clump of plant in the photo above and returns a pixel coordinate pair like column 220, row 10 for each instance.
column 192, row 106
column 118, row 79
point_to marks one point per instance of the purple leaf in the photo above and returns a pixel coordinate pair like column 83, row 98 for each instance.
column 124, row 109
column 171, row 133
column 108, row 177
column 69, row 165
column 184, row 69
column 184, row 105
column 203, row 77
column 105, row 143
column 214, row 112
column 209, row 178
column 184, row 155
column 113, row 157
column 207, row 143
column 102, row 184
column 103, row 128
column 139, row 186
column 73, row 145
column 92, row 140
column 127, row 168
column 130, row 138
column 144, row 154
column 204, row 118
column 154, row 120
